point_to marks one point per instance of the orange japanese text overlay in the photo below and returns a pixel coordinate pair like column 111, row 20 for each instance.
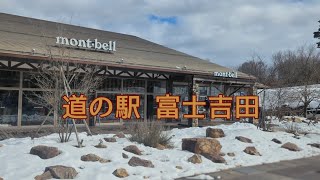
column 75, row 107
column 167, row 107
column 220, row 107
column 96, row 106
column 126, row 105
column 194, row 103
column 247, row 107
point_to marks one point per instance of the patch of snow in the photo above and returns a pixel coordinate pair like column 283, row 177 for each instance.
column 17, row 163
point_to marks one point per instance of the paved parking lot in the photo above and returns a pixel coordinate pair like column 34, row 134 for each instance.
column 304, row 169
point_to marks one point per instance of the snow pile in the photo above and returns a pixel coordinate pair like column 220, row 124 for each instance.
column 17, row 163
column 290, row 96
column 301, row 127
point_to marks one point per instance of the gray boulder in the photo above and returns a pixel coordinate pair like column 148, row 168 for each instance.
column 111, row 139
column 214, row 133
column 195, row 159
column 135, row 161
column 58, row 172
column 133, row 149
column 252, row 151
column 291, row 147
column 244, row 139
column 45, row 152
column 120, row 173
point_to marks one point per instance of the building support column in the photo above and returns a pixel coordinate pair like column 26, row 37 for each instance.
column 169, row 85
column 20, row 101
column 145, row 103
column 193, row 90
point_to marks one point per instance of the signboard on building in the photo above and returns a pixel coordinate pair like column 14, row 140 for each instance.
column 226, row 74
column 87, row 44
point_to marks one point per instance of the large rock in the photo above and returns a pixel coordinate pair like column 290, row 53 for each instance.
column 44, row 176
column 45, row 152
column 216, row 158
column 244, row 139
column 214, row 133
column 291, row 146
column 112, row 139
column 316, row 145
column 195, row 159
column 90, row 157
column 201, row 145
column 100, row 145
column 252, row 151
column 160, row 147
column 125, row 156
column 276, row 141
column 135, row 161
column 121, row 173
column 120, row 135
column 133, row 149
column 58, row 172
column 93, row 158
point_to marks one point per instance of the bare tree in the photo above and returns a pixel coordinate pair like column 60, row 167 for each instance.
column 59, row 76
column 257, row 67
column 81, row 78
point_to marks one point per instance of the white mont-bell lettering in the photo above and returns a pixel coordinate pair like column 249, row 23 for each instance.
column 90, row 44
column 226, row 74
column 73, row 42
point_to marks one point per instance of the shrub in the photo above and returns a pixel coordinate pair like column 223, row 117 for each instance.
column 150, row 134
column 293, row 128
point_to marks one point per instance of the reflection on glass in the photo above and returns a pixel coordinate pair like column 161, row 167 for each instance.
column 111, row 84
column 151, row 108
column 29, row 80
column 204, row 90
column 9, row 107
column 183, row 92
column 216, row 90
column 133, row 85
column 158, row 87
column 9, row 78
column 105, row 107
column 34, row 109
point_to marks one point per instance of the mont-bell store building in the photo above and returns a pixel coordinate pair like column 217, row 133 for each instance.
column 128, row 65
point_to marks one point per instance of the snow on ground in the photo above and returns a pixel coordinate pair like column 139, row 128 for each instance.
column 17, row 163
column 301, row 127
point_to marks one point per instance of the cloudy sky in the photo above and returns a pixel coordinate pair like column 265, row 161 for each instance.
column 224, row 32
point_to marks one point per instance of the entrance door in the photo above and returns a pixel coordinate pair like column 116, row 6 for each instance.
column 151, row 108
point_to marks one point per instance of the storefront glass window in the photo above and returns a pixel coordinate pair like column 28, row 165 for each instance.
column 34, row 109
column 134, row 85
column 183, row 92
column 204, row 90
column 216, row 90
column 105, row 107
column 158, row 87
column 9, row 107
column 29, row 80
column 9, row 78
column 111, row 84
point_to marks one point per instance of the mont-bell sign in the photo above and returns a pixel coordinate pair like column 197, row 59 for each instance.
column 87, row 44
column 226, row 74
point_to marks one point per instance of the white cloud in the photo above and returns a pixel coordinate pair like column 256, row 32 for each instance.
column 227, row 32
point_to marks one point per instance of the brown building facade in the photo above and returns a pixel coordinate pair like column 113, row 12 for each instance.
column 128, row 65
